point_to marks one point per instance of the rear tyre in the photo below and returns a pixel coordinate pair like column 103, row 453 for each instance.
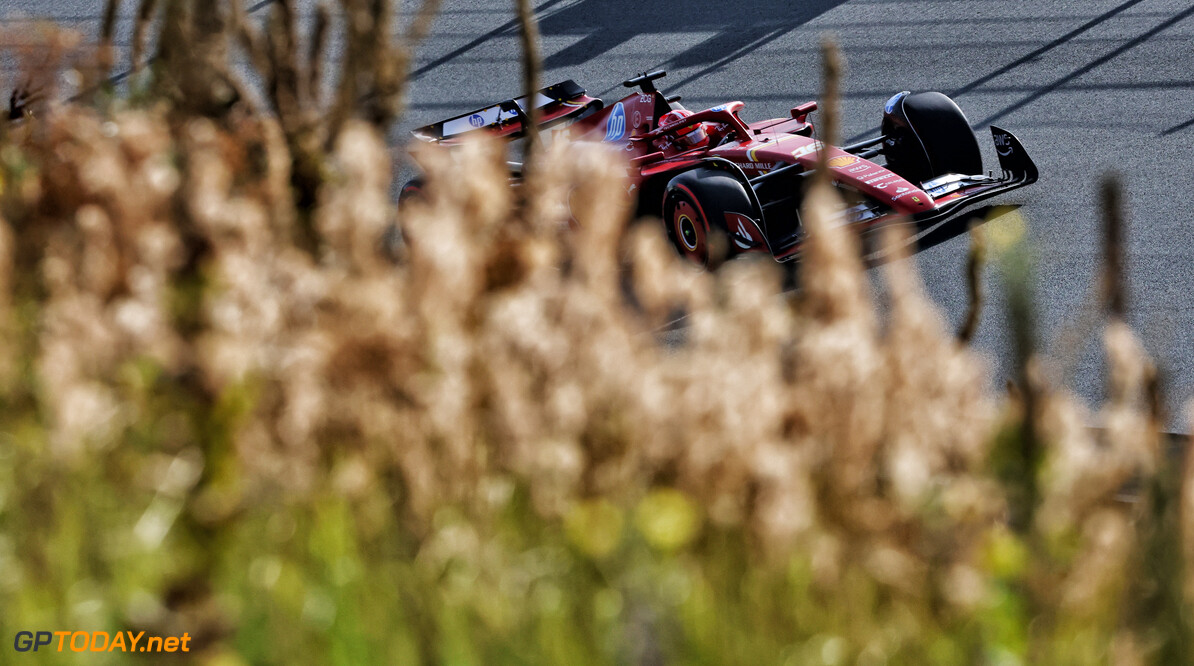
column 928, row 136
column 695, row 204
column 690, row 230
column 393, row 241
column 413, row 189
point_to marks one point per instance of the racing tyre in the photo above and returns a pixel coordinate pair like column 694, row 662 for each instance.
column 695, row 204
column 393, row 242
column 928, row 136
column 413, row 189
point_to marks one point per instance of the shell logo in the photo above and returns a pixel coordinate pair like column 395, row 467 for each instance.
column 843, row 161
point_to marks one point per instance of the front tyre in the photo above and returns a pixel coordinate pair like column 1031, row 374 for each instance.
column 695, row 204
column 927, row 136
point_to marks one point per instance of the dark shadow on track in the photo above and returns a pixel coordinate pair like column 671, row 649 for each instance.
column 950, row 229
column 1177, row 128
column 738, row 29
column 508, row 28
column 120, row 77
column 1037, row 53
column 924, row 238
column 1126, row 46
column 605, row 25
column 919, row 238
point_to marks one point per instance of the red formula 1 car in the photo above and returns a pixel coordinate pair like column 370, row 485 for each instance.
column 724, row 186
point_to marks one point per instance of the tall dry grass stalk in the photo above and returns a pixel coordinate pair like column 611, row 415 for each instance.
column 532, row 65
column 288, row 446
column 1114, row 288
column 41, row 52
column 975, row 262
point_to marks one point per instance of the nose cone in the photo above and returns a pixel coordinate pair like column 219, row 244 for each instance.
column 913, row 201
column 880, row 184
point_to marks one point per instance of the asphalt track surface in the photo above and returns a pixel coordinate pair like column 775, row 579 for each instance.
column 1088, row 87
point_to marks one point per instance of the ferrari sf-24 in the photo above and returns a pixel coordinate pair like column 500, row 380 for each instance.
column 724, row 186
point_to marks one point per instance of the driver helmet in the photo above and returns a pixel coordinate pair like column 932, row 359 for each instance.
column 693, row 136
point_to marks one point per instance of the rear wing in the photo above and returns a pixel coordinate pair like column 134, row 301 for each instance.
column 508, row 119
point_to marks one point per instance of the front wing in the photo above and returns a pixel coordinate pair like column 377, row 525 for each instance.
column 951, row 193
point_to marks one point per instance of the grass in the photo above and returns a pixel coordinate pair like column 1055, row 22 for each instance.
column 228, row 409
